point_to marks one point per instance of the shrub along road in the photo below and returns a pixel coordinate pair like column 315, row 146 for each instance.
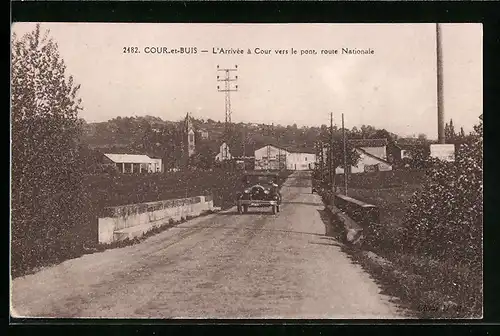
column 224, row 265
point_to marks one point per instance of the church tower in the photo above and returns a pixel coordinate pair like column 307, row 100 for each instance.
column 189, row 135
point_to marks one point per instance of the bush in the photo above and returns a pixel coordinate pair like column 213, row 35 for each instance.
column 445, row 219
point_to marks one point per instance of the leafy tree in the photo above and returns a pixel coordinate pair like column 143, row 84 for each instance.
column 419, row 157
column 46, row 173
column 382, row 134
column 367, row 131
column 449, row 132
column 204, row 159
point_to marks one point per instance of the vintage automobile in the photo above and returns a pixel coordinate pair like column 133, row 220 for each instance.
column 259, row 189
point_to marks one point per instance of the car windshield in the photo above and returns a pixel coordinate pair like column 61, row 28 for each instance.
column 260, row 179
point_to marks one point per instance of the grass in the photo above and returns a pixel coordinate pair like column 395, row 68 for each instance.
column 383, row 179
column 113, row 190
column 392, row 202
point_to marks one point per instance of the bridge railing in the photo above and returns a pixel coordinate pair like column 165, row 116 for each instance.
column 364, row 214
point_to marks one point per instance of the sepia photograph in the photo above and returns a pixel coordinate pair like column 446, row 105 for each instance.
column 246, row 171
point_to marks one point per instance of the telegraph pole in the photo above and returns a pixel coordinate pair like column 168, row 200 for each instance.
column 440, row 98
column 345, row 155
column 330, row 166
column 268, row 156
column 243, row 145
column 227, row 90
column 279, row 149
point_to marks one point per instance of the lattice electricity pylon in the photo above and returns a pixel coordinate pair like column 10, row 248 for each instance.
column 227, row 89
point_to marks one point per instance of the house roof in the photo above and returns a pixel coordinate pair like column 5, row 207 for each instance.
column 301, row 150
column 405, row 144
column 368, row 142
column 273, row 145
column 128, row 158
column 373, row 156
column 410, row 146
column 290, row 149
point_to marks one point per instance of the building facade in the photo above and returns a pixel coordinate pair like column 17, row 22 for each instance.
column 372, row 156
column 270, row 158
column 276, row 158
column 375, row 147
column 367, row 163
column 300, row 161
column 132, row 163
column 224, row 153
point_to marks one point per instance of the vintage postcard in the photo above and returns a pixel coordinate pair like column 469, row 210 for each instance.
column 246, row 171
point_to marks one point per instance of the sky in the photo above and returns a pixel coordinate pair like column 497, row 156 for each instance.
column 392, row 88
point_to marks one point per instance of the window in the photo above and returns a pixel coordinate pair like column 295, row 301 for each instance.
column 191, row 137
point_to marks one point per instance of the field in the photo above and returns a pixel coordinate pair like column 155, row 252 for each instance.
column 383, row 179
column 392, row 202
column 119, row 189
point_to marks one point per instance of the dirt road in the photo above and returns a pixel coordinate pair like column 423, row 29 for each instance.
column 224, row 265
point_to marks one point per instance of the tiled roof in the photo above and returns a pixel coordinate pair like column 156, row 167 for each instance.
column 128, row 158
column 368, row 142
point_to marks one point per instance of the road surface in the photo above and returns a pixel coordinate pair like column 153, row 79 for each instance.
column 225, row 265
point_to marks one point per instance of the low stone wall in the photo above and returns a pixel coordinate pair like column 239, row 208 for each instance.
column 133, row 220
column 363, row 213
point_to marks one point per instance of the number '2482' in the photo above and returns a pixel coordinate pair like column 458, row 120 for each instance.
column 130, row 50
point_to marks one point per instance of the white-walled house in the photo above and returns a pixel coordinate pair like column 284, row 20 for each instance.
column 300, row 161
column 270, row 157
column 375, row 147
column 224, row 153
column 156, row 165
column 274, row 157
column 367, row 163
column 134, row 163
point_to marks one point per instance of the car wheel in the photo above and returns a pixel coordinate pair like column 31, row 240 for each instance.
column 278, row 208
column 275, row 208
column 245, row 208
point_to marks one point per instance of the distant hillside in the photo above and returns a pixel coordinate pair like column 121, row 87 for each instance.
column 154, row 136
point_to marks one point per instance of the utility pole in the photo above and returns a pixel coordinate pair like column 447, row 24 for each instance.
column 440, row 98
column 227, row 90
column 279, row 150
column 322, row 157
column 345, row 155
column 268, row 156
column 243, row 145
column 330, row 166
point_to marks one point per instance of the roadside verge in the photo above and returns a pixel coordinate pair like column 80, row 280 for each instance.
column 398, row 275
